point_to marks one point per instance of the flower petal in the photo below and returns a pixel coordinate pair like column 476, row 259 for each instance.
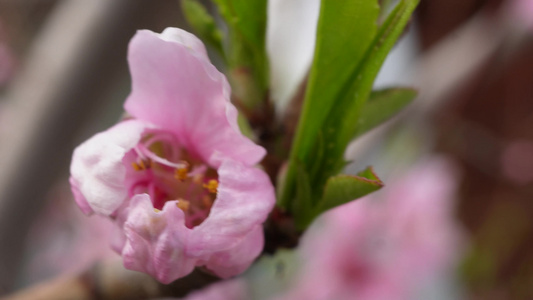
column 235, row 260
column 245, row 198
column 97, row 171
column 156, row 240
column 79, row 198
column 196, row 47
column 175, row 87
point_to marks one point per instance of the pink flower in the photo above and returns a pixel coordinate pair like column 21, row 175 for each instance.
column 389, row 245
column 517, row 162
column 178, row 177
column 61, row 240
column 522, row 10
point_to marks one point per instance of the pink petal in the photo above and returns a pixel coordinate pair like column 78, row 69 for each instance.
column 182, row 37
column 523, row 11
column 235, row 260
column 118, row 236
column 97, row 171
column 156, row 240
column 175, row 87
column 245, row 198
column 79, row 198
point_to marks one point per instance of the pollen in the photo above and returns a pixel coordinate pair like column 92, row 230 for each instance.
column 181, row 173
column 183, row 204
column 157, row 210
column 135, row 166
column 211, row 186
column 142, row 164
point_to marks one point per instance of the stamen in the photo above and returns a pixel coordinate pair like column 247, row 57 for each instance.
column 181, row 174
column 160, row 136
column 198, row 178
column 170, row 177
column 142, row 164
column 183, row 204
column 138, row 152
column 211, row 186
column 149, row 154
column 135, row 166
column 198, row 170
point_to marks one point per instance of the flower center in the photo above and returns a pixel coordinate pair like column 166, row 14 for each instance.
column 166, row 171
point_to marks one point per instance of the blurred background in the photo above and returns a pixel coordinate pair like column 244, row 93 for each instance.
column 64, row 77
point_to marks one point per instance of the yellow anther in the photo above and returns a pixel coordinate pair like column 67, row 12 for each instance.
column 181, row 173
column 135, row 166
column 156, row 210
column 211, row 186
column 183, row 204
column 142, row 165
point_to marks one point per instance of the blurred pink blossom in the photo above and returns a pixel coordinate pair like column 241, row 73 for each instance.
column 523, row 10
column 517, row 161
column 386, row 246
column 178, row 178
column 63, row 241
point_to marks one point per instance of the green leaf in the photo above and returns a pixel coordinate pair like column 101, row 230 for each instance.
column 381, row 106
column 337, row 121
column 245, row 127
column 341, row 189
column 248, row 17
column 303, row 196
column 344, row 117
column 246, row 53
column 203, row 24
column 345, row 30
